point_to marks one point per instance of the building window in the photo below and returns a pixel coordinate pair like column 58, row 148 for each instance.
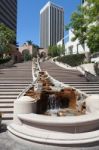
column 71, row 50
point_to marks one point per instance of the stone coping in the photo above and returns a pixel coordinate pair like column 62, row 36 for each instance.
column 57, row 121
column 50, row 137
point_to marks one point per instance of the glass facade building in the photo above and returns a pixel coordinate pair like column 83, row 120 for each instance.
column 51, row 25
column 8, row 13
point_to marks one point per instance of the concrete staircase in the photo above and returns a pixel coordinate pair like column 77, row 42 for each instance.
column 15, row 79
column 71, row 77
column 12, row 81
column 87, row 87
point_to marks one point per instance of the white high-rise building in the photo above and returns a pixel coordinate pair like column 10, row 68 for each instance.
column 51, row 25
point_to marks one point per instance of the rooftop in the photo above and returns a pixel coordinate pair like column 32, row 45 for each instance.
column 49, row 4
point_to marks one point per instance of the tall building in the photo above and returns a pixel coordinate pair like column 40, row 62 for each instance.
column 8, row 13
column 51, row 25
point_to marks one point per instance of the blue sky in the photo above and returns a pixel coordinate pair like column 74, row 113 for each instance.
column 28, row 19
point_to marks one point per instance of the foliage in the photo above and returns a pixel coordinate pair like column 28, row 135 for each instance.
column 93, row 39
column 7, row 37
column 72, row 60
column 96, row 68
column 4, row 60
column 54, row 50
column 26, row 55
column 29, row 42
column 85, row 24
column 35, row 50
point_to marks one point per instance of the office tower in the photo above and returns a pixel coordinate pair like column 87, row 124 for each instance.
column 51, row 25
column 8, row 13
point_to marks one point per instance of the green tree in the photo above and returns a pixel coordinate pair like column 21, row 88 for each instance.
column 55, row 50
column 7, row 37
column 26, row 55
column 29, row 42
column 85, row 25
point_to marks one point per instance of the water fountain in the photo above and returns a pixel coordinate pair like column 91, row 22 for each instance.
column 49, row 112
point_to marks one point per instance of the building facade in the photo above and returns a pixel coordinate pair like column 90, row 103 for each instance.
column 8, row 13
column 51, row 25
column 74, row 47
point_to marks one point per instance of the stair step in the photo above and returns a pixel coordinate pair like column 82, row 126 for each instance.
column 92, row 89
column 92, row 92
column 9, row 93
column 7, row 100
column 10, row 78
column 7, row 97
column 86, row 86
column 12, row 87
column 6, row 110
column 7, row 116
column 14, row 84
column 11, row 90
column 6, row 105
column 87, row 83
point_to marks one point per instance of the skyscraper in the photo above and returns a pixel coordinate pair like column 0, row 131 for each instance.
column 51, row 25
column 8, row 13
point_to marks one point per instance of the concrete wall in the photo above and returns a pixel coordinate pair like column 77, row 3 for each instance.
column 24, row 47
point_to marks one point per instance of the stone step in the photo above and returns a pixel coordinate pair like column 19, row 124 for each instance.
column 7, row 116
column 7, row 100
column 91, row 92
column 4, row 88
column 14, row 70
column 88, row 86
column 6, row 105
column 8, row 97
column 9, row 93
column 91, row 89
column 6, row 110
column 13, row 84
column 79, row 83
column 21, row 79
column 11, row 90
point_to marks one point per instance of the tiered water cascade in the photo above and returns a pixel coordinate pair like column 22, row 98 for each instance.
column 49, row 112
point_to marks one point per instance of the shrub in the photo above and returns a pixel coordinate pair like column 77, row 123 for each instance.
column 96, row 68
column 4, row 60
column 55, row 50
column 26, row 55
column 72, row 60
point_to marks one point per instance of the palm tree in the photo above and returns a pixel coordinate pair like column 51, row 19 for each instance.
column 29, row 42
